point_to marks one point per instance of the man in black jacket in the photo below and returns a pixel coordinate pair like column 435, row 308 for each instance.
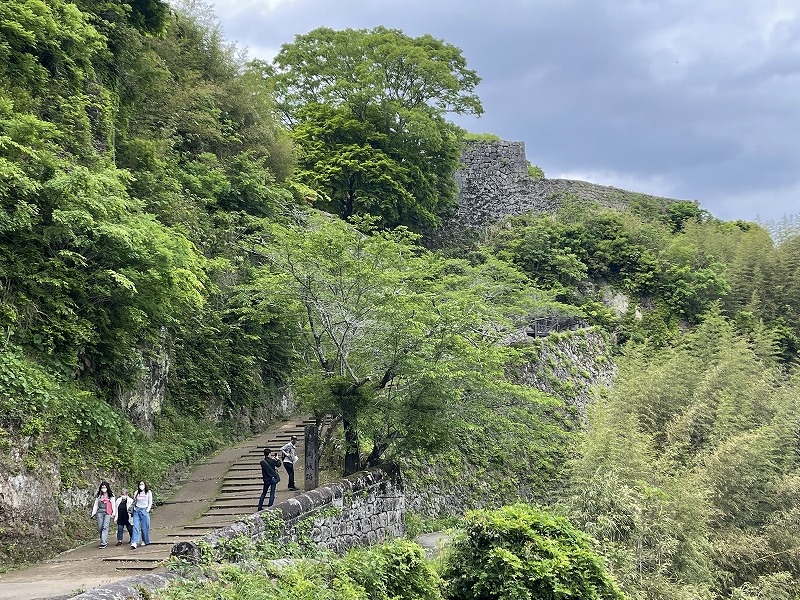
column 269, row 472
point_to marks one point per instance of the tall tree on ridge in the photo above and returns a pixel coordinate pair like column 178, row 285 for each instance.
column 368, row 108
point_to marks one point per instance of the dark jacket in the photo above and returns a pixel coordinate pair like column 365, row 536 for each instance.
column 268, row 470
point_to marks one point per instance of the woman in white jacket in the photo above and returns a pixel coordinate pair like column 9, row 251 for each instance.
column 104, row 509
column 124, row 510
column 142, row 505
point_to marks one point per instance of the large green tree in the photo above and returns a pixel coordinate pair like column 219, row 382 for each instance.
column 392, row 335
column 368, row 109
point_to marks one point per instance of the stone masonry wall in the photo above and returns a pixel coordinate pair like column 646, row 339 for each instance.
column 493, row 183
column 365, row 508
column 567, row 365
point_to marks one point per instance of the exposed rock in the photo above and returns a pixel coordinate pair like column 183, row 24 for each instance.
column 34, row 511
column 28, row 504
column 143, row 403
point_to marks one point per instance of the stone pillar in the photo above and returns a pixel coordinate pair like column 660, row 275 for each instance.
column 311, row 458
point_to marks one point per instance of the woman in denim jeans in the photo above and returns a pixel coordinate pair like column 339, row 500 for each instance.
column 104, row 509
column 142, row 504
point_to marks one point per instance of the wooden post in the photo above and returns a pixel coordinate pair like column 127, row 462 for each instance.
column 312, row 458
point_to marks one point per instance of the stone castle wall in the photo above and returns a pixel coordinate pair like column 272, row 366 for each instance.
column 493, row 183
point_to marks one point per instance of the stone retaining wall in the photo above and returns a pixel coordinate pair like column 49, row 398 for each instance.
column 365, row 508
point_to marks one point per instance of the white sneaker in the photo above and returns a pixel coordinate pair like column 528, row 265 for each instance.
column 133, row 546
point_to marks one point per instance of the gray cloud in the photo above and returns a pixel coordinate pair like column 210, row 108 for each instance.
column 694, row 100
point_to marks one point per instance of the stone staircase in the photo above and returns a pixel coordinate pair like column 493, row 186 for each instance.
column 235, row 493
column 214, row 493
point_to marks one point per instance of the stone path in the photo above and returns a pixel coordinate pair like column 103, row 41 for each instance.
column 214, row 493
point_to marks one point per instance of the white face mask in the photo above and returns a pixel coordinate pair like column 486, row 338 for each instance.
column 141, row 487
column 103, row 490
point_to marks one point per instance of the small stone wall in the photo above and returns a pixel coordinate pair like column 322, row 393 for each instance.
column 493, row 183
column 365, row 508
column 132, row 588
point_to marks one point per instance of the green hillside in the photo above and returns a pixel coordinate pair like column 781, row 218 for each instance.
column 192, row 245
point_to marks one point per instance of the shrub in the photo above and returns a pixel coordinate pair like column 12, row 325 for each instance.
column 521, row 552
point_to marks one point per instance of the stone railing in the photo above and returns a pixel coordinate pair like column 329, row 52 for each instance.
column 365, row 508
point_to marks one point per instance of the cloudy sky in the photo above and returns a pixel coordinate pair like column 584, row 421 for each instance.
column 678, row 98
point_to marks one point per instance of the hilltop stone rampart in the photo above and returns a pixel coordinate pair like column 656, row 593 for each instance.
column 493, row 183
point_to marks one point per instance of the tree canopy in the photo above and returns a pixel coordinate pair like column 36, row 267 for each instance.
column 368, row 110
column 392, row 335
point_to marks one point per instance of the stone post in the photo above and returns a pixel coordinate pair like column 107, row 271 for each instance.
column 311, row 458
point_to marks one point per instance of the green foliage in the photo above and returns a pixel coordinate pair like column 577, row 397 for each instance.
column 679, row 213
column 396, row 570
column 521, row 551
column 370, row 120
column 392, row 335
column 682, row 474
column 417, row 524
column 535, row 172
column 560, row 251
column 65, row 424
column 482, row 137
column 675, row 259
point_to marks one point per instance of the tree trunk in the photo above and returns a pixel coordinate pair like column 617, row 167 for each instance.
column 378, row 448
column 352, row 457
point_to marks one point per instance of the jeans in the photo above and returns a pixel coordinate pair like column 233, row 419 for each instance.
column 141, row 526
column 103, row 521
column 268, row 485
column 290, row 470
column 121, row 527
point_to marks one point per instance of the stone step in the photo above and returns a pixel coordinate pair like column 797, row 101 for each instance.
column 237, row 504
column 208, row 527
column 137, row 559
column 228, row 513
column 136, row 567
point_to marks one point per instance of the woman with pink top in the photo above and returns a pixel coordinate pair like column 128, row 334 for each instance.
column 104, row 509
column 142, row 505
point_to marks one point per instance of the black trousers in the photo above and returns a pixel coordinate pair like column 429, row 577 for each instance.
column 290, row 470
column 121, row 527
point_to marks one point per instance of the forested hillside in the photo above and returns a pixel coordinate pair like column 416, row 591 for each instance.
column 193, row 244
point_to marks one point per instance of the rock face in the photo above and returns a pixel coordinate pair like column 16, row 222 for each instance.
column 493, row 183
column 35, row 512
column 28, row 507
column 144, row 401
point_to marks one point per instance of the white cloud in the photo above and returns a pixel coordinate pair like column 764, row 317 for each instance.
column 232, row 8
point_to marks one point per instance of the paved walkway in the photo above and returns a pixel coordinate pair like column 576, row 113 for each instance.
column 214, row 493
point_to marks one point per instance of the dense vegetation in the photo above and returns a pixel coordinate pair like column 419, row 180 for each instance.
column 517, row 552
column 159, row 197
